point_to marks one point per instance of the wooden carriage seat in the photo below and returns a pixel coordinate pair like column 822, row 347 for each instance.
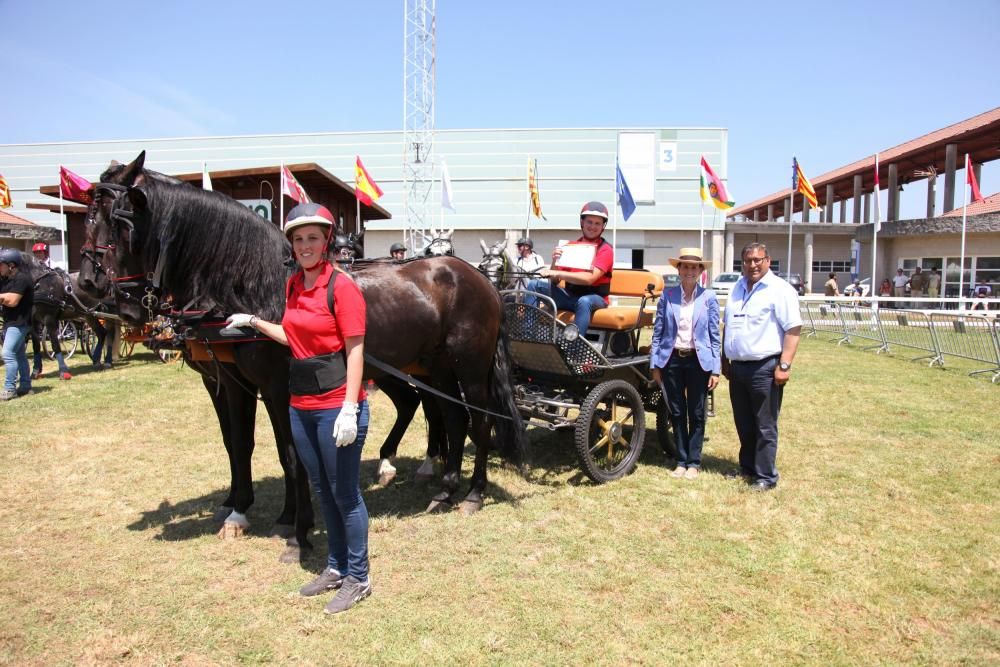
column 624, row 282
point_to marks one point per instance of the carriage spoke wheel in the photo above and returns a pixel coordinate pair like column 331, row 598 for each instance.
column 68, row 339
column 125, row 347
column 610, row 431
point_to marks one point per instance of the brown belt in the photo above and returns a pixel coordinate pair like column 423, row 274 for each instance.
column 683, row 353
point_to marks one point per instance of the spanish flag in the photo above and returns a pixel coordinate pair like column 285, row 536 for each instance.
column 801, row 184
column 536, row 203
column 5, row 201
column 365, row 189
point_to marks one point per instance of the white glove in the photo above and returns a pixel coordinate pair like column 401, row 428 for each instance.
column 240, row 321
column 345, row 429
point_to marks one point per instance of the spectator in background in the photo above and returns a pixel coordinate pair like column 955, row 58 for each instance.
column 527, row 261
column 830, row 287
column 980, row 291
column 397, row 251
column 886, row 288
column 918, row 284
column 933, row 284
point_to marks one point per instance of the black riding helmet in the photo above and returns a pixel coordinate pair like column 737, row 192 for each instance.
column 524, row 240
column 397, row 247
column 341, row 241
column 10, row 256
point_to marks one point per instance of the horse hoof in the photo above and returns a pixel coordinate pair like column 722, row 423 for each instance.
column 232, row 531
column 291, row 554
column 439, row 504
column 221, row 513
column 470, row 507
column 282, row 531
column 385, row 479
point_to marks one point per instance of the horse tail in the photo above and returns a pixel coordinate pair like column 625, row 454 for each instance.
column 511, row 438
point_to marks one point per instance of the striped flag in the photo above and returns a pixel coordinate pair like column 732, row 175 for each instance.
column 713, row 189
column 292, row 188
column 5, row 201
column 801, row 184
column 365, row 187
column 536, row 202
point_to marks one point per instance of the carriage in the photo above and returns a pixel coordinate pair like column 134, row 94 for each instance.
column 595, row 383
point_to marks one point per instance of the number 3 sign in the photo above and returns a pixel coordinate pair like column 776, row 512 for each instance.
column 668, row 156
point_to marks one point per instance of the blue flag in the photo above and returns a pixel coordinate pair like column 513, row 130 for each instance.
column 624, row 196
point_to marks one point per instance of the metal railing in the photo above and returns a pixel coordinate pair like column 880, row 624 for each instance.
column 935, row 335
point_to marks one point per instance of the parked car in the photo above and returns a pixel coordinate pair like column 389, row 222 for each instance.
column 866, row 288
column 793, row 279
column 724, row 283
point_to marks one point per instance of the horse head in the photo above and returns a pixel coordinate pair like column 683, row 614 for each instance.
column 441, row 245
column 495, row 265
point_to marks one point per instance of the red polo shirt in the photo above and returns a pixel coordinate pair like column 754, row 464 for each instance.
column 311, row 329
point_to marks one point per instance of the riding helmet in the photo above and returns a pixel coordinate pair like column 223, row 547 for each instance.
column 524, row 240
column 341, row 241
column 397, row 247
column 10, row 256
column 308, row 214
column 40, row 247
column 595, row 208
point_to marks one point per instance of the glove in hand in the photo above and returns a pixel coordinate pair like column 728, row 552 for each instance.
column 238, row 320
column 345, row 429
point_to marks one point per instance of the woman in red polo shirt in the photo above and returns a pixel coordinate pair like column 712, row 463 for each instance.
column 328, row 409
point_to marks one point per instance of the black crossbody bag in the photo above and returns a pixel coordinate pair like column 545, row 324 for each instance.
column 323, row 372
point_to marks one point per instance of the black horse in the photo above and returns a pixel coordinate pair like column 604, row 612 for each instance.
column 203, row 248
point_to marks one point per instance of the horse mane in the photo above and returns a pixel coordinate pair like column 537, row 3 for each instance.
column 214, row 251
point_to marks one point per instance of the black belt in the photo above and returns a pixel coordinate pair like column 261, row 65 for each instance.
column 683, row 353
column 754, row 361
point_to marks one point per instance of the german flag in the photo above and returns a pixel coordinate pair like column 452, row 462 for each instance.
column 801, row 184
column 365, row 188
column 5, row 201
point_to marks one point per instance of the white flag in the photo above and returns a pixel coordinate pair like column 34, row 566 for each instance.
column 206, row 180
column 447, row 197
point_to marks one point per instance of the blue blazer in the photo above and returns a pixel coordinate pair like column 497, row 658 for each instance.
column 706, row 329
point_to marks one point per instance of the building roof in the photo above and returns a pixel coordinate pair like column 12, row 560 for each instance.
column 977, row 136
column 13, row 227
column 989, row 204
column 11, row 219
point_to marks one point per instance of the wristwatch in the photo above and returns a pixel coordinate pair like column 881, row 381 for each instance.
column 784, row 367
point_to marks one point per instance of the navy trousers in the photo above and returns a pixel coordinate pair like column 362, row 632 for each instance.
column 756, row 400
column 687, row 386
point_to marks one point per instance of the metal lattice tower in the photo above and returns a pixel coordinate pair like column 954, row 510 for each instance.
column 418, row 121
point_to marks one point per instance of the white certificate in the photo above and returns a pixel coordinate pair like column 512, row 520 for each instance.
column 577, row 256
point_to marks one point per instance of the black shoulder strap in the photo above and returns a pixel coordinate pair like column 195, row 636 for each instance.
column 329, row 292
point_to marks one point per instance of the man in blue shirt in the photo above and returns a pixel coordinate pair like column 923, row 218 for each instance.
column 762, row 328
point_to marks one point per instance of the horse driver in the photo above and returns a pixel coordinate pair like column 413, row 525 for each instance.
column 588, row 284
column 397, row 251
column 41, row 252
column 527, row 261
column 17, row 295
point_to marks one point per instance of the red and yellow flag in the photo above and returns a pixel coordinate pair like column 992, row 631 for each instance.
column 801, row 184
column 5, row 201
column 536, row 202
column 365, row 188
column 75, row 187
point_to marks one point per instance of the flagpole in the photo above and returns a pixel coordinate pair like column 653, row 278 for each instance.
column 527, row 217
column 614, row 225
column 874, row 231
column 281, row 196
column 701, row 230
column 961, row 263
column 791, row 216
column 62, row 229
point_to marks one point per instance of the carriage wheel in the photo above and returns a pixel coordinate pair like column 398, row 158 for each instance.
column 125, row 347
column 610, row 431
column 87, row 337
column 68, row 339
column 663, row 430
column 169, row 355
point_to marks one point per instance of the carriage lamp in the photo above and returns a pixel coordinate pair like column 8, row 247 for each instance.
column 571, row 332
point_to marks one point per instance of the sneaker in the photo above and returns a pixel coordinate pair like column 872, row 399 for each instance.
column 678, row 471
column 351, row 593
column 691, row 473
column 7, row 395
column 328, row 580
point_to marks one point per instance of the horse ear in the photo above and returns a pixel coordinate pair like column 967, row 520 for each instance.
column 450, row 232
column 133, row 170
column 138, row 198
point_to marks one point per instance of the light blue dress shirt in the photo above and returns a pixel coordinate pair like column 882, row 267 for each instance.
column 756, row 320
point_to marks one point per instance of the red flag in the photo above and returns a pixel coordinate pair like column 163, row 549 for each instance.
column 292, row 188
column 365, row 188
column 5, row 201
column 74, row 187
column 970, row 177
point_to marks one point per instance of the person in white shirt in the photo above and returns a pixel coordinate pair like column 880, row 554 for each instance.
column 526, row 262
column 760, row 338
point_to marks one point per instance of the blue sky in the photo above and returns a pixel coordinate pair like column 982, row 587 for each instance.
column 829, row 83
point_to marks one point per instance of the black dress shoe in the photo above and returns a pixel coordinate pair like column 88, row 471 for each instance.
column 762, row 485
column 737, row 474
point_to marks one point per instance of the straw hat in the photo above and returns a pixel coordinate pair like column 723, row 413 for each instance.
column 692, row 255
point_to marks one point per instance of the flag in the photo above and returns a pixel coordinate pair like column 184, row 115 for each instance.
column 73, row 187
column 447, row 196
column 878, row 214
column 624, row 196
column 970, row 177
column 206, row 179
column 5, row 201
column 536, row 202
column 292, row 188
column 365, row 188
column 801, row 184
column 713, row 189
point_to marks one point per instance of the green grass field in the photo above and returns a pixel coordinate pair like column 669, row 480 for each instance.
column 880, row 545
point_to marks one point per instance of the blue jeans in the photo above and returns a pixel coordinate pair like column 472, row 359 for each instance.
column 686, row 383
column 582, row 306
column 15, row 357
column 756, row 400
column 335, row 473
column 109, row 340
